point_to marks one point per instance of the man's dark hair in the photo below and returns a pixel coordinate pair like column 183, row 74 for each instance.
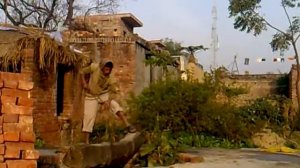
column 109, row 65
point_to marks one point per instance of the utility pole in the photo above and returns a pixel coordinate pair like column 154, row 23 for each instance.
column 214, row 35
column 5, row 7
column 234, row 66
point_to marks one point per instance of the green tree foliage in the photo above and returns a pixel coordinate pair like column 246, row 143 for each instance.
column 172, row 46
column 248, row 17
column 191, row 50
column 160, row 58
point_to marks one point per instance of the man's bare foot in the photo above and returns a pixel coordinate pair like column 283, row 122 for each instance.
column 131, row 129
column 87, row 137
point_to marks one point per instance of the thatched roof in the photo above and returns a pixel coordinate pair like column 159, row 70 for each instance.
column 48, row 52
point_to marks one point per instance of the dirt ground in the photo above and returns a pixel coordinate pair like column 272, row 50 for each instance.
column 219, row 158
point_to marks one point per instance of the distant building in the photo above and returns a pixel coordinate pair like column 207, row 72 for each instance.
column 118, row 25
column 112, row 37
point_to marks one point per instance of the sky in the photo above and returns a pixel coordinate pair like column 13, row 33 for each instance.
column 190, row 22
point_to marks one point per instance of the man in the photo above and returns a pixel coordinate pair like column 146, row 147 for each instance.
column 100, row 89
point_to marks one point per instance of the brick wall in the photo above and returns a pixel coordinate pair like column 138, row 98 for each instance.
column 17, row 136
column 123, row 56
column 46, row 123
column 258, row 86
column 292, row 86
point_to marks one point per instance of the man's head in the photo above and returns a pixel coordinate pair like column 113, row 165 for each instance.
column 107, row 68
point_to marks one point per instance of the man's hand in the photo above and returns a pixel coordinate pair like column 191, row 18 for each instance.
column 106, row 104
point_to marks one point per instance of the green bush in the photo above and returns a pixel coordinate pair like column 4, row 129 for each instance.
column 181, row 106
column 175, row 113
column 170, row 104
column 169, row 108
column 264, row 111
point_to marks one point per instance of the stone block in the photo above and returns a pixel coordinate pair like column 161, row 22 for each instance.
column 14, row 109
column 30, row 155
column 187, row 157
column 2, row 149
column 23, row 119
column 8, row 99
column 10, row 118
column 25, row 85
column 12, row 84
column 1, row 83
column 104, row 154
column 20, row 145
column 22, row 101
column 21, row 164
column 12, row 153
column 3, row 165
column 11, row 127
column 11, row 136
column 1, row 158
column 1, row 120
column 1, row 138
column 8, row 76
column 16, row 93
column 27, row 136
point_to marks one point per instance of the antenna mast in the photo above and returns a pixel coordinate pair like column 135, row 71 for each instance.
column 234, row 66
column 214, row 35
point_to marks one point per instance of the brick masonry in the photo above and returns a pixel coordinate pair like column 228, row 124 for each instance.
column 43, row 100
column 257, row 86
column 292, row 87
column 17, row 136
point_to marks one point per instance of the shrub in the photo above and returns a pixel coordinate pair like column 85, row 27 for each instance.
column 170, row 104
column 264, row 111
column 181, row 106
column 176, row 113
column 169, row 108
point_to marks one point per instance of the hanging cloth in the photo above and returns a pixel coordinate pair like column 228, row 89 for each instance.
column 291, row 58
column 247, row 60
column 259, row 60
column 277, row 60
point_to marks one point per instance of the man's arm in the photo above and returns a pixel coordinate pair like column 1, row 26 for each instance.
column 83, row 72
column 113, row 88
column 84, row 82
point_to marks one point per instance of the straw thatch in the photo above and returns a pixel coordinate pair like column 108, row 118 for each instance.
column 48, row 52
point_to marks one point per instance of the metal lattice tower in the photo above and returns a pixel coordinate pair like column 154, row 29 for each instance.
column 234, row 66
column 214, row 35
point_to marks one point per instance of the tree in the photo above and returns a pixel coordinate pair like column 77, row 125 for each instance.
column 191, row 50
column 172, row 46
column 48, row 14
column 248, row 18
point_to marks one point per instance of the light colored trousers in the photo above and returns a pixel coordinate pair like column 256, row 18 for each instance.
column 91, row 108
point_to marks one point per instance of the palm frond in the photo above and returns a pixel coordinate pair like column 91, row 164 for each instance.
column 48, row 53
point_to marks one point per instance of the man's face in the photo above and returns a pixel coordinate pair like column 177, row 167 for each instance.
column 106, row 71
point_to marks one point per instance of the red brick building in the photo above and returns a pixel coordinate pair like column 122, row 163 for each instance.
column 112, row 37
column 58, row 97
column 34, row 54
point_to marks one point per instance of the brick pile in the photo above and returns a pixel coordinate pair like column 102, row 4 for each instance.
column 16, row 122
